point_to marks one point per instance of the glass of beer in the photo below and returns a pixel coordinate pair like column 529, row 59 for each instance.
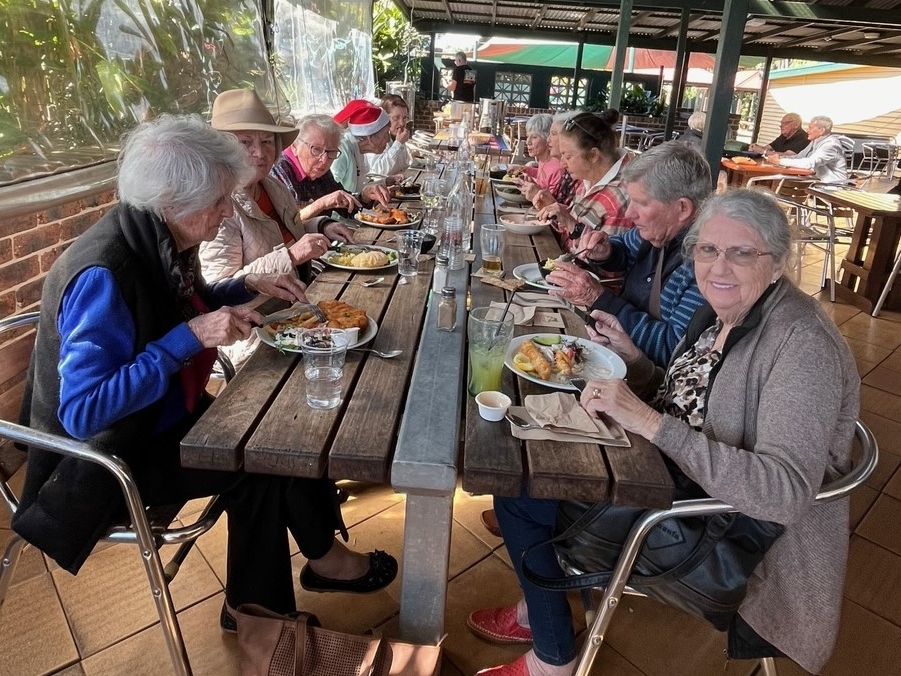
column 491, row 238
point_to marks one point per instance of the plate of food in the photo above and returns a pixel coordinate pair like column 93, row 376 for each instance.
column 510, row 193
column 282, row 330
column 530, row 273
column 360, row 258
column 522, row 224
column 388, row 219
column 551, row 359
column 405, row 192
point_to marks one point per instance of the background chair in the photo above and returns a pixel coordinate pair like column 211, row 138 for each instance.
column 147, row 528
column 893, row 275
column 598, row 624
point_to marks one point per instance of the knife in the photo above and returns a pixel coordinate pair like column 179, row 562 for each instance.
column 581, row 314
column 349, row 222
column 578, row 383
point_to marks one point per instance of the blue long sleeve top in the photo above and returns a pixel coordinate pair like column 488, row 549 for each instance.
column 679, row 297
column 102, row 378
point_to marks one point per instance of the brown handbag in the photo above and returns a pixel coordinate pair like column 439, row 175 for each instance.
column 275, row 645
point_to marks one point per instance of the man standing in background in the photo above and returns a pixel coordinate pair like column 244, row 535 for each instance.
column 463, row 81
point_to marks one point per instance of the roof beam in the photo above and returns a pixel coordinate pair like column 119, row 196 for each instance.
column 450, row 15
column 587, row 18
column 494, row 13
column 890, row 58
column 866, row 41
column 539, row 16
column 776, row 31
column 673, row 28
column 827, row 36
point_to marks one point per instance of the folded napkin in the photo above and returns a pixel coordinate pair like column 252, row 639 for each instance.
column 562, row 419
column 531, row 299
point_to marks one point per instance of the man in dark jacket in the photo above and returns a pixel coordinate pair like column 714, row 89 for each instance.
column 792, row 138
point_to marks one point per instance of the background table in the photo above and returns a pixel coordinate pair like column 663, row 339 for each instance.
column 871, row 254
column 738, row 174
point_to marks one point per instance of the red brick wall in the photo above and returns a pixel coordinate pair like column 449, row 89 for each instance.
column 29, row 244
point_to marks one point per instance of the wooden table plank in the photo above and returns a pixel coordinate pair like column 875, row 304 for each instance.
column 217, row 440
column 365, row 440
column 640, row 477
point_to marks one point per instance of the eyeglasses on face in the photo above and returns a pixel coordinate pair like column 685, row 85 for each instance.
column 319, row 151
column 743, row 256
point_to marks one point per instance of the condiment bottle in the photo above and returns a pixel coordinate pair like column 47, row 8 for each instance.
column 447, row 309
column 439, row 274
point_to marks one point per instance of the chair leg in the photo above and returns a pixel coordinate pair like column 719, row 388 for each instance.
column 8, row 564
column 165, row 608
column 598, row 629
column 767, row 666
column 888, row 285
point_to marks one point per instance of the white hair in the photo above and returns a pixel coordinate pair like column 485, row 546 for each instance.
column 539, row 124
column 671, row 171
column 697, row 120
column 178, row 164
column 561, row 118
column 823, row 122
column 322, row 122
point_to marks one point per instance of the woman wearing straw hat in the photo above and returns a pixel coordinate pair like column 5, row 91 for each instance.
column 265, row 234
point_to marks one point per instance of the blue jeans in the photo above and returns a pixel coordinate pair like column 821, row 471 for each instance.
column 525, row 522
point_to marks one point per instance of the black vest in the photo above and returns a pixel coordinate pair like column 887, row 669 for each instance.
column 67, row 504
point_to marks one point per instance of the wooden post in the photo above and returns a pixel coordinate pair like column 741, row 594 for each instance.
column 680, row 71
column 619, row 54
column 577, row 73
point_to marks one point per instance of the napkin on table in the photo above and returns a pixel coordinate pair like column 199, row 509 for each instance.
column 530, row 299
column 563, row 419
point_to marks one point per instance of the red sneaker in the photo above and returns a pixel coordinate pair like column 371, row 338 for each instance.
column 498, row 625
column 517, row 668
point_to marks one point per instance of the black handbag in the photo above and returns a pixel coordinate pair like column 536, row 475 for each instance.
column 700, row 565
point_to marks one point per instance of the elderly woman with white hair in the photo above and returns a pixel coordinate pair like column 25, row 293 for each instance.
column 756, row 408
column 548, row 173
column 305, row 169
column 568, row 188
column 125, row 345
column 694, row 135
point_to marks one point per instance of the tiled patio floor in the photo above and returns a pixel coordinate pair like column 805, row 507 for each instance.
column 102, row 621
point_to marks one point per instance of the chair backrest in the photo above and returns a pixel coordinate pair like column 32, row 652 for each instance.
column 847, row 149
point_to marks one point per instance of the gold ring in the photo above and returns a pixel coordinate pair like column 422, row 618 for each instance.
column 595, row 393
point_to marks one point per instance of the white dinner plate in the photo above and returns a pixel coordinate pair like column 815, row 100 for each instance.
column 267, row 338
column 530, row 274
column 512, row 197
column 600, row 362
column 522, row 224
column 415, row 219
column 391, row 253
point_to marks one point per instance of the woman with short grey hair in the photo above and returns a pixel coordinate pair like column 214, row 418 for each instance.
column 566, row 187
column 126, row 343
column 547, row 175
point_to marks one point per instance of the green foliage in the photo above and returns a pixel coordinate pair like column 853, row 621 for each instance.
column 395, row 45
column 636, row 100
column 598, row 104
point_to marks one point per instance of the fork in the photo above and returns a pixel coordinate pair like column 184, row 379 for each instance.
column 390, row 354
column 371, row 282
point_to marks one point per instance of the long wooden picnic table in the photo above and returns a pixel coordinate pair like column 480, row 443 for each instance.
column 400, row 421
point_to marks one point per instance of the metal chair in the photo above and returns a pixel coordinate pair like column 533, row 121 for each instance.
column 144, row 530
column 836, row 490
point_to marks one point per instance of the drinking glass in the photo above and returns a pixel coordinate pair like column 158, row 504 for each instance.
column 489, row 331
column 491, row 238
column 409, row 245
column 324, row 351
column 431, row 193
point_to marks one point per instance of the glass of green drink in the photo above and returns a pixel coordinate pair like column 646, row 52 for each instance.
column 489, row 331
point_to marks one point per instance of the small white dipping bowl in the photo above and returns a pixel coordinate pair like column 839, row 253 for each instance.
column 493, row 405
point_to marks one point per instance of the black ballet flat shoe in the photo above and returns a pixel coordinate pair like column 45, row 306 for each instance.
column 381, row 573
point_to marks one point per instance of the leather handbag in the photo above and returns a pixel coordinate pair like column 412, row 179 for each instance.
column 277, row 645
column 700, row 565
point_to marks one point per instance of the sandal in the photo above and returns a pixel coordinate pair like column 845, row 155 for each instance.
column 381, row 573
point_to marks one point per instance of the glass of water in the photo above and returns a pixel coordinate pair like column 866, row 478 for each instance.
column 324, row 351
column 409, row 245
column 431, row 193
column 491, row 239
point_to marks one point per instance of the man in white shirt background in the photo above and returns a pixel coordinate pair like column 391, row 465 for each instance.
column 825, row 155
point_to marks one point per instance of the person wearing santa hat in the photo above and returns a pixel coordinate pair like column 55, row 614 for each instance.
column 368, row 131
column 396, row 157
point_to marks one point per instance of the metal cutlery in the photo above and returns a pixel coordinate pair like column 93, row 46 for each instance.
column 371, row 282
column 521, row 423
column 390, row 354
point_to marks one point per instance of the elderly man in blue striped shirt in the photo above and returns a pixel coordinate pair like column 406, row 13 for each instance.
column 666, row 186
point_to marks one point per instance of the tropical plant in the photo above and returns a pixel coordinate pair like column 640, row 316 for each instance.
column 396, row 45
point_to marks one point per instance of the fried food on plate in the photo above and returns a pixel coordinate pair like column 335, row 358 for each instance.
column 340, row 315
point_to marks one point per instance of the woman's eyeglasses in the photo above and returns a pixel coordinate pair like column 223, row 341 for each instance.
column 319, row 151
column 571, row 124
column 743, row 256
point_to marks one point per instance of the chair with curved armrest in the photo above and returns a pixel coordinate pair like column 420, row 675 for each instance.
column 598, row 624
column 147, row 529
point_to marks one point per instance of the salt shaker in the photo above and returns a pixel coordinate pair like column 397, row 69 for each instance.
column 439, row 274
column 447, row 309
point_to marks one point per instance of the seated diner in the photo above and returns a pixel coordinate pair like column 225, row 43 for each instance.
column 368, row 131
column 395, row 158
column 126, row 342
column 824, row 155
column 756, row 408
column 547, row 175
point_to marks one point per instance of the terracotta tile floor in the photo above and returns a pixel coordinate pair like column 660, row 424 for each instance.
column 102, row 621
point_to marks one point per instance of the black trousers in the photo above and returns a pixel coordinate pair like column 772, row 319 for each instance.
column 262, row 509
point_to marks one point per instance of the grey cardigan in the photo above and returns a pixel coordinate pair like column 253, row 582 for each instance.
column 779, row 424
